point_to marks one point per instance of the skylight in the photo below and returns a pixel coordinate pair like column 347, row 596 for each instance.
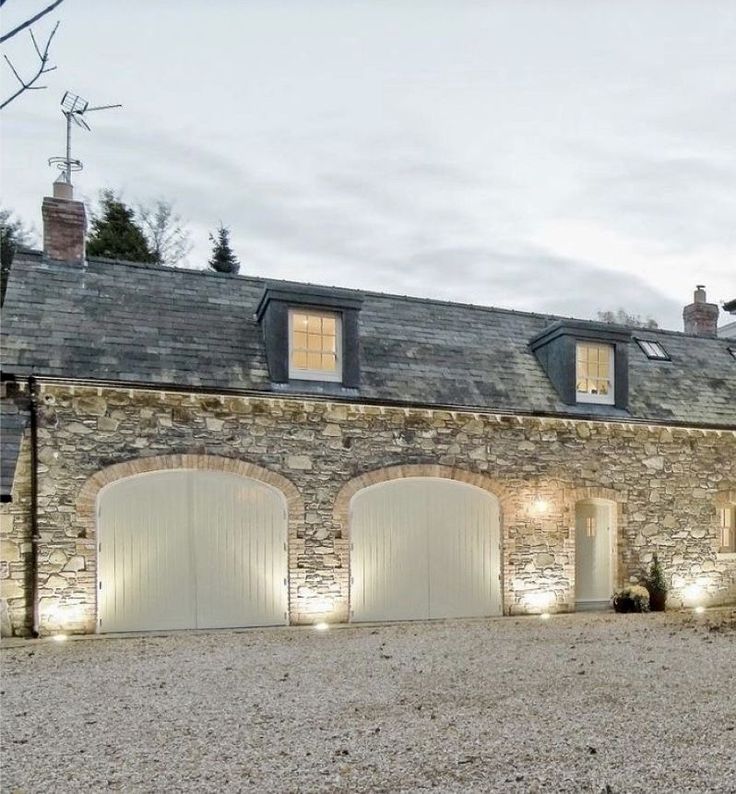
column 653, row 350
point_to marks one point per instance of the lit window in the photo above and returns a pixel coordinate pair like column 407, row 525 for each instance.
column 653, row 350
column 314, row 345
column 594, row 373
column 728, row 530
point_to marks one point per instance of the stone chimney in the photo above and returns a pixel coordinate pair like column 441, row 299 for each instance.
column 64, row 223
column 700, row 317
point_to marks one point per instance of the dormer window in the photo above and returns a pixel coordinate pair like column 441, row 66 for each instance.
column 587, row 363
column 314, row 345
column 311, row 336
column 594, row 373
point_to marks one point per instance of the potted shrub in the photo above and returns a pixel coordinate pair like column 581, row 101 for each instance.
column 631, row 598
column 657, row 586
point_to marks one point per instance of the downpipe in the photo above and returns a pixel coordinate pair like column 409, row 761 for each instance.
column 35, row 536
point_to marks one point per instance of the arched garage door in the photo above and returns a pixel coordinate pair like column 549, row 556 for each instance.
column 424, row 548
column 191, row 549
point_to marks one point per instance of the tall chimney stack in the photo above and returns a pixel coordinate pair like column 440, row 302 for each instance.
column 700, row 317
column 64, row 223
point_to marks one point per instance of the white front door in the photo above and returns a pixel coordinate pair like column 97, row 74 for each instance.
column 424, row 548
column 593, row 554
column 191, row 549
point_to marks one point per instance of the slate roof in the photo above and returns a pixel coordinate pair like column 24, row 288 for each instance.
column 148, row 324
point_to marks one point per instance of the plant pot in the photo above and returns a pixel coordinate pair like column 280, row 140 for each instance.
column 657, row 600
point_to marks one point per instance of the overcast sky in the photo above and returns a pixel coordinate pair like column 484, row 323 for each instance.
column 550, row 155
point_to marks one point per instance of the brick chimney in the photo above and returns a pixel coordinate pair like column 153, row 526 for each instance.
column 64, row 223
column 700, row 317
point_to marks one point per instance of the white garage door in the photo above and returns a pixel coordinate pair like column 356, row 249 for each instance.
column 424, row 548
column 191, row 549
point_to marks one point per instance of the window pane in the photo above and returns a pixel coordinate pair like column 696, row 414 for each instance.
column 315, row 324
column 299, row 359
column 328, row 326
column 313, row 360
column 300, row 322
column 314, row 342
column 328, row 344
column 300, row 340
column 328, row 362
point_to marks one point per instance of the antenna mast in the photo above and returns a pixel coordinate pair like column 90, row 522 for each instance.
column 74, row 107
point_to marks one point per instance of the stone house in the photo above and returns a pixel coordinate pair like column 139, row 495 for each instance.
column 191, row 449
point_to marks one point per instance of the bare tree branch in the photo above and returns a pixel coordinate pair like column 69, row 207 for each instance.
column 29, row 22
column 43, row 68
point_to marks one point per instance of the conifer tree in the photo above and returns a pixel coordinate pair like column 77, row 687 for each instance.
column 223, row 258
column 116, row 234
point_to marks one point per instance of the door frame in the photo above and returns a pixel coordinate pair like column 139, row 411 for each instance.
column 88, row 499
column 343, row 509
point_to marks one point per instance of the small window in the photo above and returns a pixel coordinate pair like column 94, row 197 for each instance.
column 314, row 345
column 594, row 373
column 653, row 350
column 728, row 530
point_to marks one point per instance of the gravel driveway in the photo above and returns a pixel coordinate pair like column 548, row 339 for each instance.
column 577, row 703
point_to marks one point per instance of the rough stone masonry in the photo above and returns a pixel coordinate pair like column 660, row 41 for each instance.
column 667, row 484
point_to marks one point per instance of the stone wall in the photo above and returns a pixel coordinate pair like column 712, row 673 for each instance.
column 665, row 484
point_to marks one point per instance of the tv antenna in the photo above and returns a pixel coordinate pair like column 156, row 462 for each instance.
column 74, row 108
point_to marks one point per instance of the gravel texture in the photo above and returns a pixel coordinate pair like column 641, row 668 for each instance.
column 601, row 703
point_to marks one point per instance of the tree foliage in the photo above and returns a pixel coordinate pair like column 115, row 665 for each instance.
column 223, row 259
column 622, row 317
column 14, row 234
column 167, row 239
column 115, row 232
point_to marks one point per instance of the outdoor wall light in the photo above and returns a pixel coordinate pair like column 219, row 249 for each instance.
column 540, row 506
column 322, row 626
column 544, row 616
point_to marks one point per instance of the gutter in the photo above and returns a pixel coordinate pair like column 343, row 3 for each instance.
column 356, row 399
column 35, row 535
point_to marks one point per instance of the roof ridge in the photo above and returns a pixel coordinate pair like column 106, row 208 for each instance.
column 265, row 280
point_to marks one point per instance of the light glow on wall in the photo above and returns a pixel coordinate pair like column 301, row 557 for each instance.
column 693, row 594
column 57, row 616
column 539, row 601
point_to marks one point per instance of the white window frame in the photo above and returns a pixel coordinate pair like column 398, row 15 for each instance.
column 601, row 399
column 296, row 373
column 727, row 525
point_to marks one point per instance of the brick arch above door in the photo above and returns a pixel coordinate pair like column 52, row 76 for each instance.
column 86, row 504
column 341, row 507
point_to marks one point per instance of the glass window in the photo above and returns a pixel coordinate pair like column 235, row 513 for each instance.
column 594, row 373
column 314, row 345
column 728, row 530
column 652, row 349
